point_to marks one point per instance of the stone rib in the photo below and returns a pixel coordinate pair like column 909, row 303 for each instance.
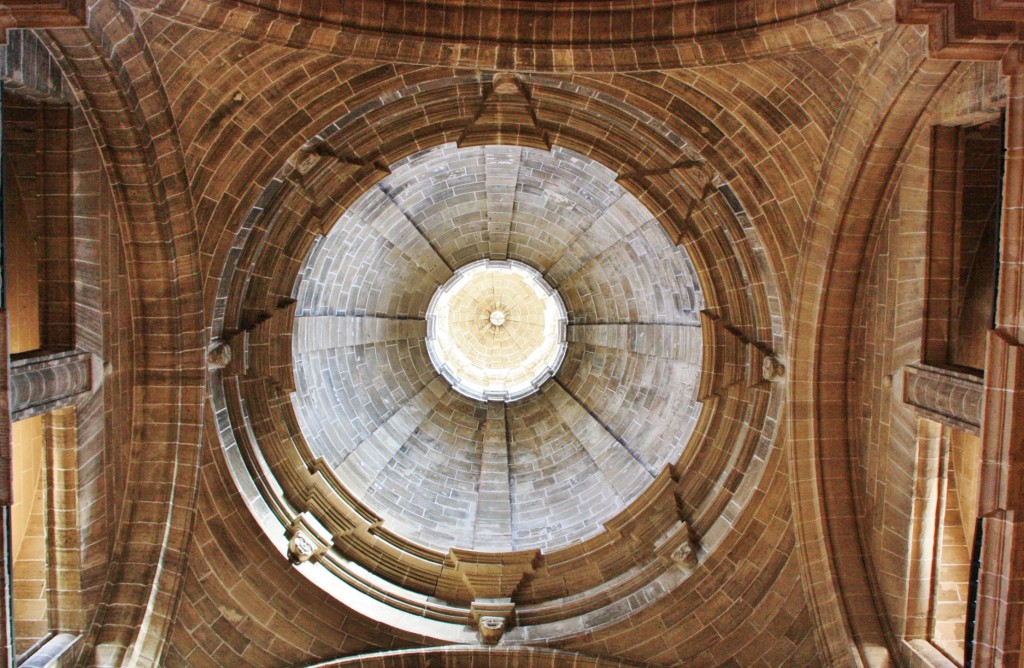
column 623, row 470
column 400, row 229
column 493, row 525
column 315, row 333
column 502, row 166
column 362, row 466
column 617, row 221
column 679, row 342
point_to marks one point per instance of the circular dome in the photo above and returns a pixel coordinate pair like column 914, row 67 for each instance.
column 582, row 505
column 446, row 461
column 496, row 330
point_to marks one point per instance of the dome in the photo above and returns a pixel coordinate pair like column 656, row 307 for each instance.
column 576, row 507
column 467, row 275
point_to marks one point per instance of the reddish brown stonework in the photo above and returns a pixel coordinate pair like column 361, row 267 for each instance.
column 774, row 226
column 40, row 14
column 966, row 30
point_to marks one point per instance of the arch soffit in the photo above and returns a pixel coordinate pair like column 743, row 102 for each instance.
column 879, row 122
column 154, row 211
column 732, row 41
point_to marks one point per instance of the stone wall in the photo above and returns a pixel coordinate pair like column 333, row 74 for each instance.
column 889, row 453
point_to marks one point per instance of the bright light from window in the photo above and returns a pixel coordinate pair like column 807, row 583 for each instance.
column 496, row 330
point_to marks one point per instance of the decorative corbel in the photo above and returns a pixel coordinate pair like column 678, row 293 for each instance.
column 685, row 556
column 492, row 617
column 219, row 355
column 772, row 369
column 307, row 539
column 677, row 547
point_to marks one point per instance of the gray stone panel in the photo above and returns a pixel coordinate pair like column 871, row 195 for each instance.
column 541, row 472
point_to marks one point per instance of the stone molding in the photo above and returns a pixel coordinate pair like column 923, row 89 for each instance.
column 46, row 382
column 951, row 397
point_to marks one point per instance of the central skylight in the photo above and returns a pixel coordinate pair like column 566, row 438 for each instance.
column 496, row 330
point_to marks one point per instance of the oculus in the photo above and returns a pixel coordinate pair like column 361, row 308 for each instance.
column 496, row 330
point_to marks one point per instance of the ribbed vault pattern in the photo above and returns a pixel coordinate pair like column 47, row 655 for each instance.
column 445, row 470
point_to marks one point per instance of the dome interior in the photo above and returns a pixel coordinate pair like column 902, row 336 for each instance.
column 443, row 466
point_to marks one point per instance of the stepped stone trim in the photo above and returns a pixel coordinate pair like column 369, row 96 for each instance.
column 619, row 465
column 729, row 359
column 505, row 116
column 362, row 466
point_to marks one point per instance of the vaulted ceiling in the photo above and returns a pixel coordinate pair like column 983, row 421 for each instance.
column 730, row 198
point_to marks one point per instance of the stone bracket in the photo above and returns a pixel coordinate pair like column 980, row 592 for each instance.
column 491, row 575
column 267, row 348
column 307, row 157
column 678, row 221
column 730, row 359
column 307, row 539
column 655, row 508
column 943, row 395
column 506, row 109
column 43, row 383
column 492, row 617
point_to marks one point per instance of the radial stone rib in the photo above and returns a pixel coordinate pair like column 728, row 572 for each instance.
column 401, row 230
column 368, row 459
column 325, row 332
column 670, row 341
column 493, row 529
column 582, row 233
column 620, row 467
column 624, row 216
column 502, row 167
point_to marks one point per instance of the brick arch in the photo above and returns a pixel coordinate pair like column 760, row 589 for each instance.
column 527, row 37
column 154, row 211
column 491, row 657
column 877, row 127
